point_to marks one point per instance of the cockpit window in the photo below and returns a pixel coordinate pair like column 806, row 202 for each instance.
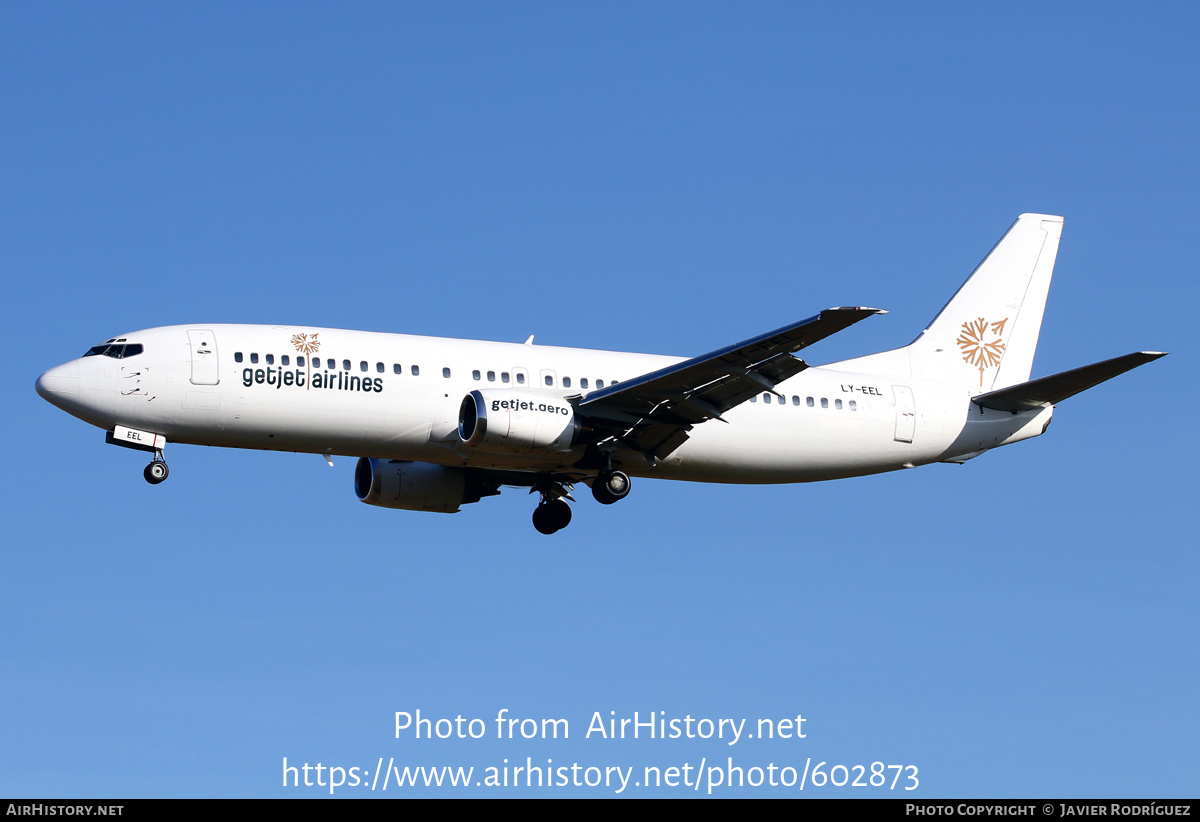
column 118, row 351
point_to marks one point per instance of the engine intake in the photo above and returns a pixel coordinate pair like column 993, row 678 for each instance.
column 517, row 422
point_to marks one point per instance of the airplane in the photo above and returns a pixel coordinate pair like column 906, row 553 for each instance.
column 439, row 423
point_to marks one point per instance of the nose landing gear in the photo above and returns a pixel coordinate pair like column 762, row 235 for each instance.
column 156, row 471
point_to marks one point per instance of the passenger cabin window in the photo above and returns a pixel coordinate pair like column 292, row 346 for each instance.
column 549, row 380
column 285, row 360
column 491, row 376
column 270, row 359
column 566, row 382
column 345, row 365
column 446, row 373
column 254, row 358
column 599, row 383
column 378, row 368
column 503, row 376
column 837, row 404
column 810, row 402
column 583, row 383
column 475, row 375
column 795, row 400
column 520, row 379
column 237, row 355
column 853, row 405
column 824, row 402
column 416, row 370
column 396, row 369
column 300, row 361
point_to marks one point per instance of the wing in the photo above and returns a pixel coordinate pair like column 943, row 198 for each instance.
column 654, row 413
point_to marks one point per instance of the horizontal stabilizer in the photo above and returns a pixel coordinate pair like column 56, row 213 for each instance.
column 1058, row 387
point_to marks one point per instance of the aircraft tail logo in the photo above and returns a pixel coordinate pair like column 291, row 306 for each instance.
column 986, row 336
column 976, row 346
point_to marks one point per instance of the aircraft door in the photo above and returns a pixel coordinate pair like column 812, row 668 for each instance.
column 203, row 344
column 906, row 413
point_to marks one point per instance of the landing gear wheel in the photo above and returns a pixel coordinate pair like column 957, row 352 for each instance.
column 551, row 516
column 155, row 472
column 611, row 487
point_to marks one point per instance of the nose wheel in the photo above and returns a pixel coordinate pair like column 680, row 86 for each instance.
column 156, row 471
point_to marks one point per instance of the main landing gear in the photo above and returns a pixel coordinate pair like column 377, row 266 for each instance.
column 156, row 471
column 553, row 514
column 610, row 487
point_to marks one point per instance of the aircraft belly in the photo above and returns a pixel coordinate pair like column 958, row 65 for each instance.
column 778, row 448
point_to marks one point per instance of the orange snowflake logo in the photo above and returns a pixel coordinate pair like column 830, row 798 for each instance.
column 306, row 344
column 977, row 347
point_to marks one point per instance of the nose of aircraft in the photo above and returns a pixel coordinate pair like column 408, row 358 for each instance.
column 60, row 386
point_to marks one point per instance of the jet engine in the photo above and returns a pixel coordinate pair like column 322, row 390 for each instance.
column 415, row 486
column 510, row 421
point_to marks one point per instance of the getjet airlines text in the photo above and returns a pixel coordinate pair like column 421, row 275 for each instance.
column 527, row 772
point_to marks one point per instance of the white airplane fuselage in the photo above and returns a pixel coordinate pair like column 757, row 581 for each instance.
column 854, row 425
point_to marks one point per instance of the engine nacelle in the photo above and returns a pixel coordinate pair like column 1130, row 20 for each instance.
column 413, row 486
column 508, row 421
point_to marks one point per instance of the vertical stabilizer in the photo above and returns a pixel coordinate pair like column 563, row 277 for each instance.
column 986, row 335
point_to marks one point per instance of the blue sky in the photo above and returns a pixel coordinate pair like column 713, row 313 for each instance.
column 667, row 179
